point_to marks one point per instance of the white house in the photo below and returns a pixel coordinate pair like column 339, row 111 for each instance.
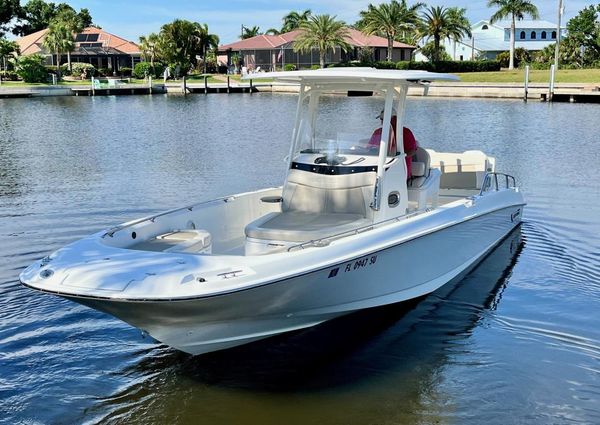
column 490, row 39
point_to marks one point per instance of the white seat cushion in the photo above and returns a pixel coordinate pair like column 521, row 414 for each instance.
column 297, row 226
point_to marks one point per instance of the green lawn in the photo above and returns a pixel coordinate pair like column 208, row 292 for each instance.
column 583, row 76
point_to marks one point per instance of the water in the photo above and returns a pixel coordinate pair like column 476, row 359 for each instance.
column 515, row 341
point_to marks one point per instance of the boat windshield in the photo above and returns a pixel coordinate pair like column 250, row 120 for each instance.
column 346, row 126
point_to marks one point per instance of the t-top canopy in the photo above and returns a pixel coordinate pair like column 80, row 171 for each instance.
column 354, row 75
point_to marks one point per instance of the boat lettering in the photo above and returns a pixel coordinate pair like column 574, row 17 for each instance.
column 359, row 264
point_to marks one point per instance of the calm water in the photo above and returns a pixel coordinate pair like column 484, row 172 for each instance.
column 515, row 341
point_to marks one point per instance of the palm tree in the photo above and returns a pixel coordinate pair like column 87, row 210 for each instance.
column 390, row 20
column 457, row 14
column 516, row 9
column 439, row 23
column 272, row 31
column 59, row 39
column 206, row 40
column 150, row 47
column 250, row 32
column 324, row 33
column 74, row 24
column 8, row 49
column 294, row 19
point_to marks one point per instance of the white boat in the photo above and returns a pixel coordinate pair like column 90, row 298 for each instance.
column 345, row 232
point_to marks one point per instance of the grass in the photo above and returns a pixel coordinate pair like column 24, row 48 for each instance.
column 583, row 76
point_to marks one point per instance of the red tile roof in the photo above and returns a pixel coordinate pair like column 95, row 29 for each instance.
column 267, row 42
column 33, row 43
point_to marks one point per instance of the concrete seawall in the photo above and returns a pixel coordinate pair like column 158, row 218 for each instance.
column 476, row 90
column 563, row 92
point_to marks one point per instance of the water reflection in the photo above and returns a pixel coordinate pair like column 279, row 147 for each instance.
column 405, row 346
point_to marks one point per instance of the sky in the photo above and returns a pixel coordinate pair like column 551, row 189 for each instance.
column 132, row 18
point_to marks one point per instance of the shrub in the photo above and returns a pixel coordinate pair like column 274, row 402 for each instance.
column 125, row 71
column 51, row 69
column 105, row 72
column 451, row 66
column 83, row 70
column 9, row 76
column 64, row 69
column 289, row 67
column 522, row 56
column 384, row 65
column 222, row 69
column 31, row 69
column 145, row 69
column 315, row 67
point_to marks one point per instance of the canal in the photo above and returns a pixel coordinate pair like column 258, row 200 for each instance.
column 515, row 341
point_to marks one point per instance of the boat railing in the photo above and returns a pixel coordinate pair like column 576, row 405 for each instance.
column 325, row 241
column 493, row 181
column 110, row 232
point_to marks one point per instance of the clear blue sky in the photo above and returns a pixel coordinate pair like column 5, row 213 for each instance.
column 132, row 18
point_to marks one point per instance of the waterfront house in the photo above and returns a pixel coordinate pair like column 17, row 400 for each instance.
column 271, row 52
column 93, row 45
column 490, row 39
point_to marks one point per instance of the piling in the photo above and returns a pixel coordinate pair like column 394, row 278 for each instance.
column 526, row 85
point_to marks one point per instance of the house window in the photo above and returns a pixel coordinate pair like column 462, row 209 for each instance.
column 484, row 27
column 533, row 35
column 522, row 35
column 543, row 35
column 553, row 35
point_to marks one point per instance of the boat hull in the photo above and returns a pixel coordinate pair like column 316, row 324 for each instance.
column 401, row 272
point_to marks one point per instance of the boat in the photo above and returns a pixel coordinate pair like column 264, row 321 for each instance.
column 348, row 230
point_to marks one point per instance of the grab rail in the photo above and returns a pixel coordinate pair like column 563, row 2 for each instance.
column 491, row 180
column 110, row 232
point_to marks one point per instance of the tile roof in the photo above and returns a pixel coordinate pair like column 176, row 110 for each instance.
column 266, row 42
column 33, row 43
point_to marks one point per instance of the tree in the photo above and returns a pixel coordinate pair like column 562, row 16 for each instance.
column 439, row 23
column 516, row 9
column 324, row 33
column 74, row 23
column 149, row 46
column 209, row 42
column 8, row 49
column 9, row 9
column 181, row 41
column 584, row 35
column 37, row 15
column 272, row 31
column 390, row 20
column 58, row 39
column 458, row 15
column 250, row 32
column 294, row 19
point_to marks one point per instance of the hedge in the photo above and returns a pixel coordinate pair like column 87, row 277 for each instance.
column 451, row 66
column 441, row 66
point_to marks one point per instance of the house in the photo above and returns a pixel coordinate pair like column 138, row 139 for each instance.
column 490, row 39
column 93, row 45
column 275, row 51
